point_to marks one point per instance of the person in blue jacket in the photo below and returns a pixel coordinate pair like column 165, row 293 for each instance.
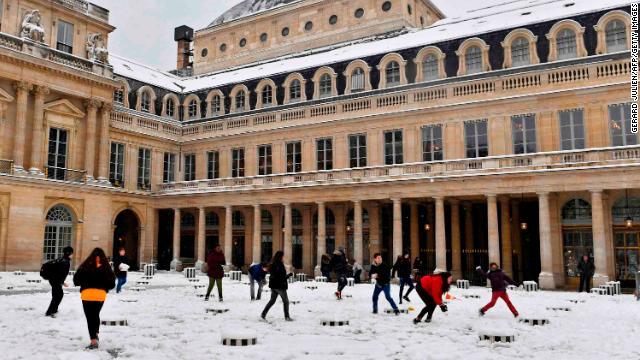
column 257, row 274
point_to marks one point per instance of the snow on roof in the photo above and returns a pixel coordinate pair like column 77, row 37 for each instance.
column 510, row 14
column 248, row 8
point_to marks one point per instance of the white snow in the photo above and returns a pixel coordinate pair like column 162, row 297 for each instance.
column 476, row 21
column 248, row 8
column 171, row 323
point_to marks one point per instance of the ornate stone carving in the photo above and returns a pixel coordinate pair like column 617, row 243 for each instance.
column 32, row 28
column 97, row 49
column 92, row 104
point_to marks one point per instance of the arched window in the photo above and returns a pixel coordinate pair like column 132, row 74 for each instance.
column 58, row 232
column 267, row 96
column 430, row 68
column 296, row 217
column 576, row 210
column 392, row 72
column 118, row 96
column 325, row 86
column 187, row 220
column 240, row 101
column 567, row 46
column 237, row 219
column 216, row 105
column 357, row 80
column 473, row 60
column 616, row 36
column 193, row 109
column 267, row 218
column 171, row 107
column 145, row 102
column 520, row 52
column 295, row 91
column 212, row 219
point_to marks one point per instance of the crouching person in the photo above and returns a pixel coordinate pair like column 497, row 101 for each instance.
column 431, row 288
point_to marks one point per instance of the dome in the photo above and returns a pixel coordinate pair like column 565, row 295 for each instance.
column 247, row 8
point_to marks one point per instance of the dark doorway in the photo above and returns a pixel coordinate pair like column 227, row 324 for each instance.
column 125, row 235
column 530, row 238
column 165, row 239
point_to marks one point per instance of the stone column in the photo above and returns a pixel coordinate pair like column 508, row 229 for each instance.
column 228, row 234
column 456, row 255
column 90, row 148
column 22, row 95
column 546, row 278
column 415, row 230
column 397, row 228
column 176, row 263
column 441, row 236
column 494, row 236
column 322, row 234
column 599, row 238
column 505, row 235
column 288, row 234
column 468, row 226
column 202, row 237
column 104, row 149
column 307, row 239
column 374, row 229
column 38, row 129
column 516, row 236
column 357, row 232
column 257, row 234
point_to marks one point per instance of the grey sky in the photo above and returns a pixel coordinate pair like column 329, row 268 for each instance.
column 145, row 27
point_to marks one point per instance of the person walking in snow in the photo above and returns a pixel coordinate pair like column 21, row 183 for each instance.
column 339, row 267
column 120, row 267
column 431, row 288
column 95, row 278
column 56, row 272
column 257, row 274
column 418, row 268
column 586, row 268
column 403, row 268
column 215, row 261
column 381, row 272
column 499, row 281
column 357, row 271
column 278, row 283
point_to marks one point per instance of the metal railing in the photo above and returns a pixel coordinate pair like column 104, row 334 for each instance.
column 63, row 174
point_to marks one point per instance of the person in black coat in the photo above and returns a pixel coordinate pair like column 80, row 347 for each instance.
column 278, row 283
column 339, row 267
column 57, row 276
column 381, row 273
column 403, row 268
column 586, row 268
column 119, row 269
column 325, row 266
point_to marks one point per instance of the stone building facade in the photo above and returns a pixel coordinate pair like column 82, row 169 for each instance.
column 460, row 141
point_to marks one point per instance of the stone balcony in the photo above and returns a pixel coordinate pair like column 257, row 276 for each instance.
column 438, row 170
column 86, row 8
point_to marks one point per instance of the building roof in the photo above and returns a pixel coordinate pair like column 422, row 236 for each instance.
column 477, row 21
column 248, row 8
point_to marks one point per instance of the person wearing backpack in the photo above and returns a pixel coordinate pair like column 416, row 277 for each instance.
column 56, row 271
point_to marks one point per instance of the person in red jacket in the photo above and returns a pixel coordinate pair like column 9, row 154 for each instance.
column 215, row 262
column 499, row 281
column 431, row 288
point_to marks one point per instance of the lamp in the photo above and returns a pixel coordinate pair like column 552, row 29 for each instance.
column 628, row 222
column 348, row 228
column 523, row 224
column 427, row 227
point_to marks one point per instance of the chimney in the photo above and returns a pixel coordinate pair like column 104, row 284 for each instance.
column 184, row 37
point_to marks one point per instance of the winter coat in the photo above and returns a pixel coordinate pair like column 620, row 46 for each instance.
column 117, row 260
column 403, row 268
column 60, row 270
column 339, row 264
column 498, row 279
column 419, row 266
column 586, row 268
column 257, row 273
column 101, row 278
column 383, row 272
column 278, row 276
column 215, row 261
column 432, row 284
column 325, row 266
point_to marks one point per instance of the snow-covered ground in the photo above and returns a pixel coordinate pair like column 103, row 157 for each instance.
column 170, row 322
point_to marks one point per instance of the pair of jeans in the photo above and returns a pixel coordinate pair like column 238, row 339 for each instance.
column 212, row 282
column 274, row 297
column 387, row 294
column 429, row 302
column 56, row 298
column 92, row 313
column 252, row 283
column 585, row 283
column 121, row 281
column 406, row 281
column 357, row 275
column 342, row 282
column 502, row 295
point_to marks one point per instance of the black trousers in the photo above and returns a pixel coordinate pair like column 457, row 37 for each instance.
column 430, row 304
column 585, row 283
column 92, row 313
column 56, row 298
column 342, row 282
column 274, row 297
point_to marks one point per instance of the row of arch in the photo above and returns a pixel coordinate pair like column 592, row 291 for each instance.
column 566, row 41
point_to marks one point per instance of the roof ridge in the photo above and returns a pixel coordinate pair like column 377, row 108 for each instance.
column 136, row 62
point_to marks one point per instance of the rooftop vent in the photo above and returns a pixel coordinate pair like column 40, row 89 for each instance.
column 569, row 4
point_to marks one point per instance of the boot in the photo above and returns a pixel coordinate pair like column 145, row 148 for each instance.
column 481, row 312
column 416, row 321
column 396, row 311
column 406, row 298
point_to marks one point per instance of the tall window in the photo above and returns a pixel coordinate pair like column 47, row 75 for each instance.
column 616, row 36
column 620, row 125
column 572, row 129
column 116, row 165
column 392, row 73
column 240, row 101
column 189, row 167
column 432, row 143
column 523, row 130
column 144, row 169
column 193, row 109
column 57, row 157
column 145, row 102
column 267, row 96
column 295, row 91
column 216, row 105
column 393, row 147
column 476, row 139
column 473, row 60
column 65, row 36
column 171, row 107
column 567, row 47
column 325, row 86
column 294, row 157
column 357, row 80
column 430, row 68
column 358, row 150
column 118, row 96
column 213, row 165
column 58, row 232
column 169, row 170
column 237, row 163
column 324, row 150
column 264, row 160
column 520, row 52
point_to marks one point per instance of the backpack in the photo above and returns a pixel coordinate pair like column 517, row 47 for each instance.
column 47, row 270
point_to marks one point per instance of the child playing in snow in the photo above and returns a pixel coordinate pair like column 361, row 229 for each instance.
column 499, row 281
